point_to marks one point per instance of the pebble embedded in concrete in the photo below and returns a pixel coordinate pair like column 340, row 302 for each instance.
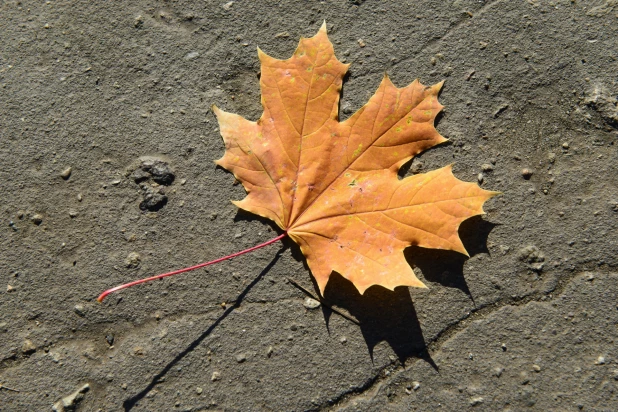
column 241, row 357
column 66, row 173
column 28, row 347
column 132, row 260
column 37, row 219
column 476, row 401
column 526, row 173
column 215, row 376
column 160, row 171
column 487, row 167
column 79, row 310
column 69, row 403
column 311, row 303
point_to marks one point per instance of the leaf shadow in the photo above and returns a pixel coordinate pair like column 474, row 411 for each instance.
column 132, row 402
column 382, row 315
column 445, row 266
column 390, row 316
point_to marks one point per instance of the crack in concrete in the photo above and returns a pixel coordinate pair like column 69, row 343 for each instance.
column 434, row 345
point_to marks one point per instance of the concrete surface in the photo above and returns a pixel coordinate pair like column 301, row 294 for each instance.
column 103, row 88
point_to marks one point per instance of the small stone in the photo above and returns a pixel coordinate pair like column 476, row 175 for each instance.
column 498, row 371
column 241, row 357
column 115, row 182
column 159, row 170
column 501, row 109
column 132, row 260
column 269, row 351
column 343, row 339
column 238, row 235
column 66, row 173
column 138, row 351
column 69, row 403
column 153, row 201
column 37, row 219
column 565, row 145
column 9, row 288
column 600, row 360
column 551, row 157
column 216, row 376
column 417, row 166
column 526, row 173
column 476, row 401
column 138, row 22
column 487, row 167
column 4, row 327
column 361, row 43
column 73, row 213
column 79, row 310
column 228, row 5
column 198, row 390
column 480, row 177
column 615, row 371
column 192, row 56
column 503, row 346
column 536, row 368
column 124, row 386
column 311, row 303
column 110, row 339
column 109, row 377
column 416, row 385
column 28, row 347
column 140, row 175
column 79, row 197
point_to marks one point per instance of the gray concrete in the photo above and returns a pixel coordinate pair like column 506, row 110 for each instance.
column 98, row 87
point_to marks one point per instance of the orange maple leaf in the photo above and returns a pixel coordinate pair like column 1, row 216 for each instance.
column 333, row 186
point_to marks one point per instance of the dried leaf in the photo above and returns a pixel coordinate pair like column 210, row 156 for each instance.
column 333, row 186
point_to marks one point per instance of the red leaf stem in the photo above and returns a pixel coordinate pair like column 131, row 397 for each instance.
column 201, row 265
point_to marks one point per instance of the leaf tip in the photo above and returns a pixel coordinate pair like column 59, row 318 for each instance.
column 323, row 26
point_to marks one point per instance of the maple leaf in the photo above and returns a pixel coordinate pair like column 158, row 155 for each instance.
column 333, row 186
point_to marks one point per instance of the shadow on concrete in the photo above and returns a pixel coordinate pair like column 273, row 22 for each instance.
column 445, row 266
column 130, row 403
column 382, row 315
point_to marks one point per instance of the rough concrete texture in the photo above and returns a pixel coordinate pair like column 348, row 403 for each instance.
column 101, row 101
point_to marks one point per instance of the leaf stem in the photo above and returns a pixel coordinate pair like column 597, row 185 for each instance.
column 201, row 265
